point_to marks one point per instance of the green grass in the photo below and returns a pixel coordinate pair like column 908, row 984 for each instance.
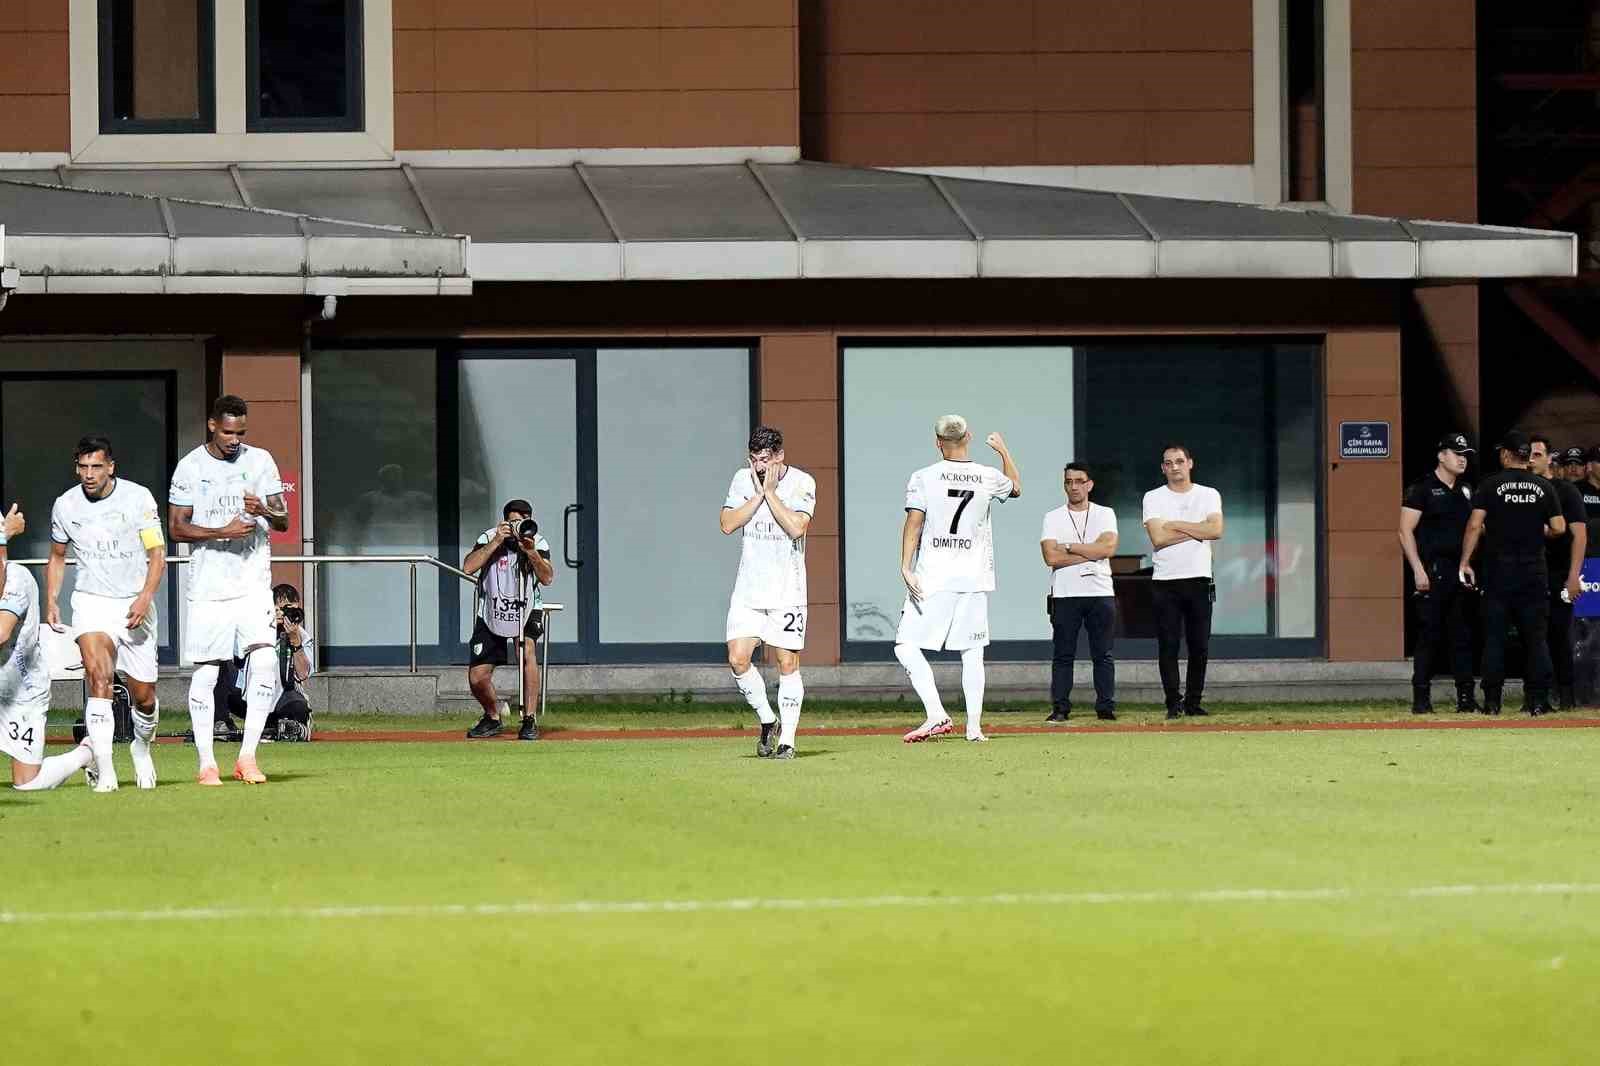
column 1376, row 977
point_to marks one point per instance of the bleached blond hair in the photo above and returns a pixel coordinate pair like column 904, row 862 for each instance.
column 950, row 428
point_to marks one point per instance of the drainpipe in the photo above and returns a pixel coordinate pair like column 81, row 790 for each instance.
column 10, row 278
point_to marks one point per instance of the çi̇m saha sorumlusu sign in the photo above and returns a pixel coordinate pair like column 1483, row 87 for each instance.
column 1363, row 440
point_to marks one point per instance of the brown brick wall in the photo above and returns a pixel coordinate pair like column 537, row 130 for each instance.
column 595, row 73
column 34, row 114
column 1366, row 610
column 266, row 374
column 1026, row 82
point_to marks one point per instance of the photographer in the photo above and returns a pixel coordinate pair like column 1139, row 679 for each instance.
column 290, row 718
column 512, row 562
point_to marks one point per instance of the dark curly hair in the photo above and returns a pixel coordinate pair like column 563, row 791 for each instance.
column 765, row 438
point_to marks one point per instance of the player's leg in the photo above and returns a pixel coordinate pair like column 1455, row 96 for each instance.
column 136, row 658
column 1533, row 622
column 99, row 667
column 1101, row 622
column 487, row 651
column 925, row 625
column 22, row 739
column 202, row 717
column 1169, row 631
column 1064, row 621
column 786, row 641
column 208, row 642
column 260, row 696
column 969, row 634
column 1494, row 650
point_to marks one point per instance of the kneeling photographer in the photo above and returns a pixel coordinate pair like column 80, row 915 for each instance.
column 512, row 563
column 291, row 714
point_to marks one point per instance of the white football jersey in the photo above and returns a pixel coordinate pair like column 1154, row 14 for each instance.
column 24, row 676
column 957, row 549
column 215, row 488
column 772, row 567
column 107, row 536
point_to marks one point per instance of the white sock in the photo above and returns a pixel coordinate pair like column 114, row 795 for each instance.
column 972, row 688
column 144, row 728
column 102, row 730
column 57, row 768
column 203, row 713
column 260, row 693
column 791, row 693
column 921, row 675
column 755, row 694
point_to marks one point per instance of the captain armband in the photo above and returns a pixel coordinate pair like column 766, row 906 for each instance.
column 150, row 538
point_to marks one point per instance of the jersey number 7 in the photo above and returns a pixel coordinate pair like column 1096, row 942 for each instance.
column 965, row 495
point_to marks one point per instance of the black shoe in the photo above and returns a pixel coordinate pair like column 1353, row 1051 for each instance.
column 1058, row 716
column 486, row 727
column 1534, row 710
column 1174, row 712
column 1197, row 711
column 1106, row 716
column 769, row 739
column 784, row 752
column 1467, row 703
column 1566, row 698
column 1491, row 706
column 529, row 729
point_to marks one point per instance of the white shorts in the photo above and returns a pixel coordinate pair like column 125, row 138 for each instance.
column 22, row 730
column 219, row 630
column 136, row 648
column 780, row 628
column 946, row 621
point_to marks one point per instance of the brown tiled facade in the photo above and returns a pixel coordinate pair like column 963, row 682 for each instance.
column 33, row 76
column 1027, row 82
column 595, row 74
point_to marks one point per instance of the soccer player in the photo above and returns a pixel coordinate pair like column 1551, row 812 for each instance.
column 25, row 678
column 114, row 530
column 773, row 503
column 947, row 564
column 225, row 498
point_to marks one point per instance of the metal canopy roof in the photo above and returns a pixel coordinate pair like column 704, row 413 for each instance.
column 74, row 239
column 805, row 220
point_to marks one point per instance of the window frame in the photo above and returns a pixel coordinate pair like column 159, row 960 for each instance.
column 354, row 79
column 206, row 12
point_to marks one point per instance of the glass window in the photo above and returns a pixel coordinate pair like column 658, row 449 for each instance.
column 672, row 430
column 375, row 491
column 891, row 397
column 303, row 65
column 156, row 59
column 1304, row 100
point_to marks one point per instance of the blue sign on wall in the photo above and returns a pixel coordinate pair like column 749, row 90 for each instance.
column 1588, row 605
column 1363, row 440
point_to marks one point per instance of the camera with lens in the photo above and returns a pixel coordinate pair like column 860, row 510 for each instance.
column 293, row 615
column 527, row 529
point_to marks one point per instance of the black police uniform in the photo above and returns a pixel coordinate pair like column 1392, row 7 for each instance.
column 1558, row 560
column 1445, row 606
column 1586, row 631
column 1517, row 505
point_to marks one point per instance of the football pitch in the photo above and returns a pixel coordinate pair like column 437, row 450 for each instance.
column 1147, row 896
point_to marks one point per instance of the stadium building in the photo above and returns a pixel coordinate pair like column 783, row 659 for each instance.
column 453, row 253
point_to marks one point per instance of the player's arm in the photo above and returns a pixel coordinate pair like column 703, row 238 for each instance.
column 1102, row 547
column 1210, row 529
column 1469, row 544
column 274, row 510
column 1008, row 465
column 55, row 572
column 12, row 525
column 8, row 626
column 910, row 537
column 481, row 552
column 736, row 514
column 181, row 527
column 1163, row 534
column 795, row 523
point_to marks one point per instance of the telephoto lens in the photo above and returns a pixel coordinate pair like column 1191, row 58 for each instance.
column 293, row 615
column 527, row 528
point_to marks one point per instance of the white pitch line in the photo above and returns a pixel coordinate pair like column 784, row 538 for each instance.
column 819, row 903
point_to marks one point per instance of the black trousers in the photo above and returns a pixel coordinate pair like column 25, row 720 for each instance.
column 1443, row 611
column 1525, row 601
column 1068, row 615
column 1560, row 637
column 1183, row 610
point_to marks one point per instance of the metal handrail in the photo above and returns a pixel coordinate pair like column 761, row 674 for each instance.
column 412, row 560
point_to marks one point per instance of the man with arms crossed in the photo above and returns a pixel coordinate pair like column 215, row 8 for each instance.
column 225, row 497
column 1182, row 519
column 1077, row 542
column 1563, row 568
column 510, row 569
column 1433, row 519
column 773, row 503
column 947, row 564
column 114, row 530
column 25, row 679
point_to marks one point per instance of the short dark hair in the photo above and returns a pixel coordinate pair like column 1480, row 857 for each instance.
column 1079, row 467
column 229, row 406
column 765, row 439
column 516, row 507
column 1184, row 448
column 93, row 443
column 1540, row 438
column 285, row 591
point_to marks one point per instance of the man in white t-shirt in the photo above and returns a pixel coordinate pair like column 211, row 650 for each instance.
column 225, row 499
column 25, row 679
column 772, row 502
column 114, row 530
column 1077, row 542
column 947, row 564
column 1182, row 519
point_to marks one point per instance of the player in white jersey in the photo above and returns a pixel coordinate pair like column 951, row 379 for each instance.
column 25, row 678
column 225, row 499
column 947, row 563
column 773, row 503
column 114, row 530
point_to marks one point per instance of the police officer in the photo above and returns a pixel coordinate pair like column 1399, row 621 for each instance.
column 1520, row 509
column 1586, row 631
column 1589, row 486
column 1433, row 520
column 1575, row 464
column 1563, row 563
